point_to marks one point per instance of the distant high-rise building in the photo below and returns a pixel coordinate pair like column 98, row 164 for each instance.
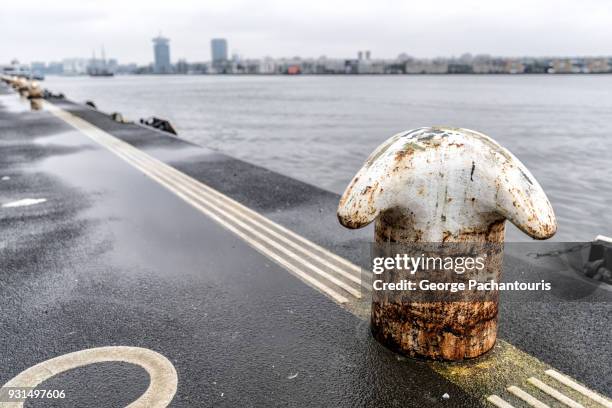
column 218, row 49
column 161, row 50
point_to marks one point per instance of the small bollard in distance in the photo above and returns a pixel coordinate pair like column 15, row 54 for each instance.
column 35, row 95
column 443, row 185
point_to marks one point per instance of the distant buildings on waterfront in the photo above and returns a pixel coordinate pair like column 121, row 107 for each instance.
column 218, row 53
column 363, row 63
column 161, row 54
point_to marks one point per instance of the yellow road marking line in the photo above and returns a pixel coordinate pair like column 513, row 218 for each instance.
column 253, row 216
column 528, row 398
column 149, row 170
column 498, row 402
column 579, row 388
column 194, row 190
column 554, row 393
column 119, row 148
column 254, row 243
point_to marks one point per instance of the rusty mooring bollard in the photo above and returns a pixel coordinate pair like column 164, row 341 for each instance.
column 443, row 185
column 35, row 95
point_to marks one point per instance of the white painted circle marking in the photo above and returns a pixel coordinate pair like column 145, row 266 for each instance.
column 163, row 377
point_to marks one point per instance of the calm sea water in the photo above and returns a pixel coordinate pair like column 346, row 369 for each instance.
column 321, row 129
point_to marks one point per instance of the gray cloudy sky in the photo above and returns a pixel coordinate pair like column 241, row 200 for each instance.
column 51, row 30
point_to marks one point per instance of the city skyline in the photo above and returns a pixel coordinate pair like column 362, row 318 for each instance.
column 40, row 32
column 221, row 63
column 362, row 64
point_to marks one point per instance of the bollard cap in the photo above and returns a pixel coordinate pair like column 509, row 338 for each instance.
column 446, row 182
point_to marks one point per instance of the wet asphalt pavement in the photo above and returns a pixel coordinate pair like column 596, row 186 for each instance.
column 112, row 258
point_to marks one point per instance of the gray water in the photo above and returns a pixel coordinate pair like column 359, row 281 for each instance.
column 320, row 129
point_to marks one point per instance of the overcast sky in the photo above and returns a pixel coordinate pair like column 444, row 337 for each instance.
column 32, row 30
